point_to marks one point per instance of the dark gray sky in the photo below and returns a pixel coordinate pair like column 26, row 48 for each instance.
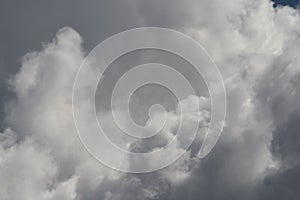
column 27, row 25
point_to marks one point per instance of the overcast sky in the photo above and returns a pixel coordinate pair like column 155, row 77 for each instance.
column 256, row 46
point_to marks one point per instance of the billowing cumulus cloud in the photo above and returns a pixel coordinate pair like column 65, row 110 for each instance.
column 257, row 157
column 40, row 147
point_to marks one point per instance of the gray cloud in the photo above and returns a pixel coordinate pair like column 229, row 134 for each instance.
column 257, row 157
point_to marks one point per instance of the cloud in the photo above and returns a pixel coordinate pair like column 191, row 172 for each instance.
column 28, row 171
column 41, row 149
column 256, row 48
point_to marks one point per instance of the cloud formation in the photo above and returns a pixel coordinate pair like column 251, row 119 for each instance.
column 257, row 157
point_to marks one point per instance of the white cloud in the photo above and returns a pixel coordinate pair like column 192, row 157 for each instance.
column 42, row 132
column 256, row 48
column 27, row 171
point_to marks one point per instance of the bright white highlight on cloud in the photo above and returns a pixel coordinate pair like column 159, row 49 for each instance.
column 254, row 45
